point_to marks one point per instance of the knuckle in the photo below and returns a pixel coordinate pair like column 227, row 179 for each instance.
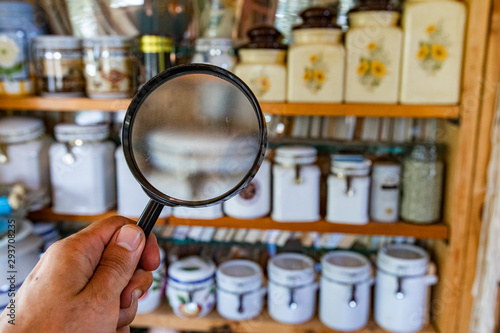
column 116, row 262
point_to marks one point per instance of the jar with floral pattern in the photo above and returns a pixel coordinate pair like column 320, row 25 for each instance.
column 373, row 47
column 110, row 69
column 432, row 51
column 316, row 59
column 262, row 64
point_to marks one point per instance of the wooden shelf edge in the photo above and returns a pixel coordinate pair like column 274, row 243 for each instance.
column 164, row 317
column 432, row 231
column 312, row 109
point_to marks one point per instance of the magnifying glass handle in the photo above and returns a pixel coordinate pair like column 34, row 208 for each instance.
column 149, row 216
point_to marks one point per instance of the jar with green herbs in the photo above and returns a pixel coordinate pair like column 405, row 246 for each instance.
column 422, row 184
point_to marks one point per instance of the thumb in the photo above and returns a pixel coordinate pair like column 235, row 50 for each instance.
column 118, row 262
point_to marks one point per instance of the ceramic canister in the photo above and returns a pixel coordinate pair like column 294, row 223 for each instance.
column 191, row 287
column 152, row 298
column 292, row 288
column 344, row 299
column 239, row 289
column 402, row 287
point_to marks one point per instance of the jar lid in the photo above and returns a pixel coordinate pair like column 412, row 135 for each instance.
column 291, row 269
column 12, row 8
column 205, row 44
column 156, row 44
column 317, row 17
column 239, row 276
column 403, row 260
column 108, row 41
column 265, row 37
column 20, row 129
column 374, row 5
column 350, row 165
column 290, row 155
column 346, row 266
column 191, row 269
column 72, row 132
column 57, row 42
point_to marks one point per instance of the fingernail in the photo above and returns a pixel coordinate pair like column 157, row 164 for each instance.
column 129, row 237
column 136, row 294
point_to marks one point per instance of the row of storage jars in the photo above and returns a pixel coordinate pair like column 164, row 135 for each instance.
column 401, row 299
column 381, row 63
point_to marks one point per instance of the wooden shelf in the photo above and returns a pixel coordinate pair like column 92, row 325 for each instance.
column 213, row 322
column 312, row 109
column 432, row 231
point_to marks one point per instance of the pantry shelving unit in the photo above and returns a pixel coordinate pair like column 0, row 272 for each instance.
column 465, row 131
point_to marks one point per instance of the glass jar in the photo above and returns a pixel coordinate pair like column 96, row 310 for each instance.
column 296, row 181
column 348, row 190
column 316, row 59
column 346, row 275
column 384, row 206
column 215, row 51
column 219, row 18
column 373, row 46
column 82, row 170
column 156, row 53
column 24, row 158
column 153, row 297
column 422, row 184
column 262, row 64
column 17, row 29
column 240, row 294
column 402, row 287
column 59, row 66
column 432, row 51
column 110, row 69
column 292, row 288
column 191, row 287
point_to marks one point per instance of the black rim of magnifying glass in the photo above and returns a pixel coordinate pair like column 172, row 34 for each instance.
column 151, row 86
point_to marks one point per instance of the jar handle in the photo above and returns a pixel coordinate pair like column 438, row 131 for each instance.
column 353, row 302
column 240, row 303
column 4, row 158
column 399, row 294
column 298, row 180
column 291, row 304
column 349, row 191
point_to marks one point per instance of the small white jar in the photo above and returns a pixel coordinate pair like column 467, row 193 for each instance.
column 292, row 288
column 384, row 206
column 348, row 190
column 131, row 198
column 82, row 169
column 153, row 297
column 402, row 287
column 191, row 287
column 24, row 157
column 239, row 289
column 296, row 181
column 254, row 200
column 344, row 299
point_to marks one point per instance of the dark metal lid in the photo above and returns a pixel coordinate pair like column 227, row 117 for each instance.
column 375, row 5
column 265, row 37
column 318, row 17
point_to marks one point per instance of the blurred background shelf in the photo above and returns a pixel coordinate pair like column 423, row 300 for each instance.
column 432, row 231
column 213, row 322
column 311, row 109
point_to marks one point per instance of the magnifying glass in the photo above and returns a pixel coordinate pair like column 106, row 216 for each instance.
column 193, row 136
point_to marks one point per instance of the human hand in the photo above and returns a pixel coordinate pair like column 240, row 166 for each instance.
column 88, row 282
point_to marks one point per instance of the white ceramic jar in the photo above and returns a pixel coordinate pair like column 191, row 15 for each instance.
column 215, row 51
column 344, row 298
column 24, row 158
column 385, row 188
column 191, row 287
column 373, row 61
column 254, row 200
column 348, row 190
column 316, row 59
column 292, row 288
column 27, row 246
column 131, row 198
column 153, row 297
column 262, row 65
column 402, row 287
column 296, row 181
column 240, row 294
column 82, row 169
column 432, row 51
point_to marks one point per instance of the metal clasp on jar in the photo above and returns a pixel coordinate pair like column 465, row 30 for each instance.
column 4, row 157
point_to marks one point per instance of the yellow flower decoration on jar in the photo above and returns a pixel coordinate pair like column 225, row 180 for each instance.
column 313, row 58
column 319, row 76
column 363, row 67
column 308, row 75
column 423, row 51
column 378, row 69
column 263, row 83
column 371, row 46
column 439, row 52
column 430, row 29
